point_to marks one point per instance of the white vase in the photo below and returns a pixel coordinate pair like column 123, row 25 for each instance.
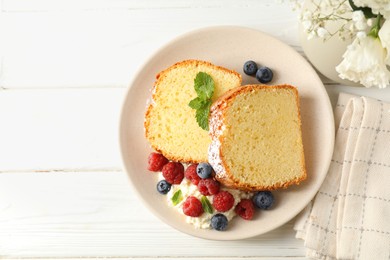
column 325, row 55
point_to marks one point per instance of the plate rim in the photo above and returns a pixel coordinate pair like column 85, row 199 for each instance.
column 121, row 138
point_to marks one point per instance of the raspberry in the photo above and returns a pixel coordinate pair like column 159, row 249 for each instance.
column 173, row 172
column 191, row 174
column 223, row 201
column 245, row 209
column 192, row 207
column 156, row 161
column 208, row 187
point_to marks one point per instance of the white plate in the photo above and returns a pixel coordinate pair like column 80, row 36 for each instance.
column 230, row 47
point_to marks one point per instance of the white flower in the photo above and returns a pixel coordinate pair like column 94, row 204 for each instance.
column 359, row 20
column 322, row 32
column 315, row 14
column 364, row 62
column 370, row 22
column 377, row 6
column 307, row 25
column 306, row 18
column 361, row 35
column 384, row 36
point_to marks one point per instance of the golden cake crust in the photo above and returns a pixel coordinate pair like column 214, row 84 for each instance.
column 216, row 156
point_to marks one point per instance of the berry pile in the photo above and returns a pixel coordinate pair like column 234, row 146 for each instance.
column 202, row 176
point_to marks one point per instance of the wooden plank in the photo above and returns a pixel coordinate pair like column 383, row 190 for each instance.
column 98, row 215
column 60, row 129
column 104, row 48
column 182, row 258
column 87, row 5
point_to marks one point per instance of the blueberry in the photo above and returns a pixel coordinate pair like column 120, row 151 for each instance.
column 264, row 74
column 263, row 199
column 204, row 170
column 219, row 222
column 250, row 67
column 163, row 187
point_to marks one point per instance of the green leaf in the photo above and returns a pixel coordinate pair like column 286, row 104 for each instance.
column 206, row 205
column 377, row 26
column 204, row 88
column 202, row 116
column 366, row 10
column 177, row 197
column 197, row 103
column 204, row 85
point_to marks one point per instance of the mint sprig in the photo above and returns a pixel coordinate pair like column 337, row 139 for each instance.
column 204, row 87
column 197, row 103
column 206, row 205
column 177, row 197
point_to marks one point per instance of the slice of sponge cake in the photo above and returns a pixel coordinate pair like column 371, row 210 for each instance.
column 256, row 138
column 170, row 124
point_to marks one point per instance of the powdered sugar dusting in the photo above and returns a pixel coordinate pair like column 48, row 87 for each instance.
column 214, row 159
column 216, row 130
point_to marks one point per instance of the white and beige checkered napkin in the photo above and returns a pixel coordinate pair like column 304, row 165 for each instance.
column 350, row 216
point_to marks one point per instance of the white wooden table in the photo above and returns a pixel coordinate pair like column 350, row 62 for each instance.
column 64, row 69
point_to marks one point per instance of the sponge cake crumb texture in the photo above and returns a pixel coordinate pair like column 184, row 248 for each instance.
column 259, row 140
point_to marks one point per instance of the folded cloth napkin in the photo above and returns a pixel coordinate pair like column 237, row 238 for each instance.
column 350, row 216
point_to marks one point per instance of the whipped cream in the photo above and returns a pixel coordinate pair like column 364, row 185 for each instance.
column 189, row 189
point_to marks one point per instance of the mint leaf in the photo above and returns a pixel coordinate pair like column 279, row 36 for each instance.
column 177, row 197
column 202, row 115
column 197, row 103
column 204, row 85
column 206, row 205
column 204, row 88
